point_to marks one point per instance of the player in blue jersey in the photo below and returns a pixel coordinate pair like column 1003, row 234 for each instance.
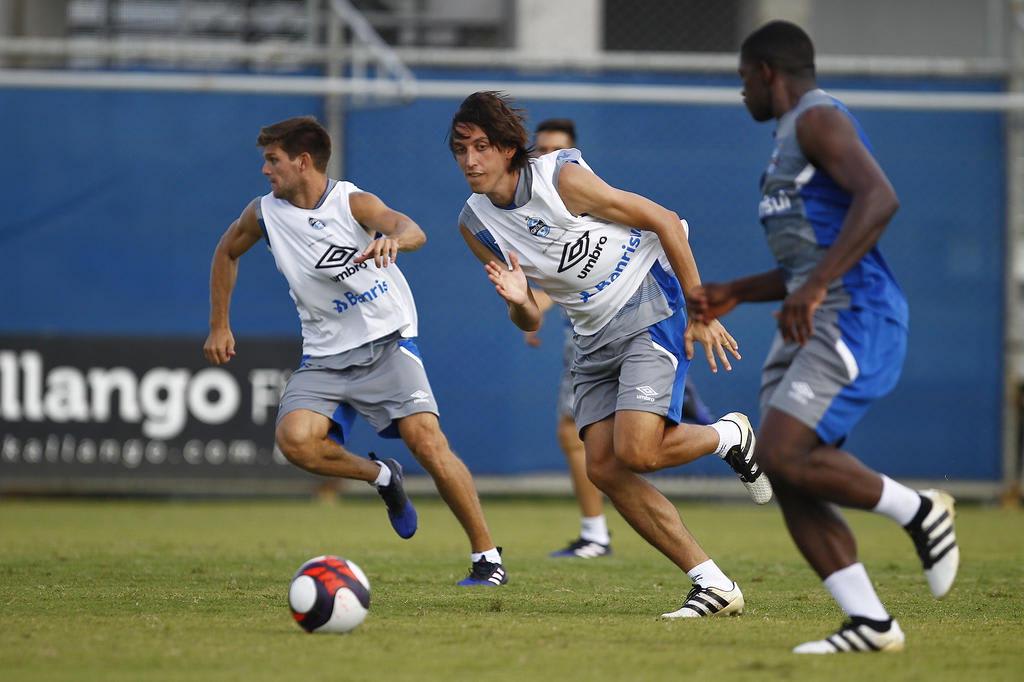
column 842, row 335
column 594, row 539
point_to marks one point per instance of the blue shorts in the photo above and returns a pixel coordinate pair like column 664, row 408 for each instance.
column 853, row 358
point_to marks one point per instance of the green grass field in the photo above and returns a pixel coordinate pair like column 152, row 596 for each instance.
column 101, row 590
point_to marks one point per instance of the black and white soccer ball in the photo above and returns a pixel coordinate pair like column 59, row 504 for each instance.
column 329, row 594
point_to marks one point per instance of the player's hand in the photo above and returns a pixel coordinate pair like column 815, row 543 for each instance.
column 220, row 346
column 715, row 338
column 509, row 281
column 796, row 319
column 383, row 251
column 532, row 339
column 710, row 301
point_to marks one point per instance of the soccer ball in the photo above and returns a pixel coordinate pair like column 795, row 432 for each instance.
column 329, row 594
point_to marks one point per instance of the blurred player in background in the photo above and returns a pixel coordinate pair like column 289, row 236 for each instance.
column 594, row 540
column 613, row 261
column 358, row 331
column 841, row 340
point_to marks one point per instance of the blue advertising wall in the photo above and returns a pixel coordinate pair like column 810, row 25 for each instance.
column 115, row 201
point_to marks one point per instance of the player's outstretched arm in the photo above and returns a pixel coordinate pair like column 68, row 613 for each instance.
column 239, row 238
column 401, row 233
column 829, row 140
column 584, row 192
column 713, row 300
column 510, row 283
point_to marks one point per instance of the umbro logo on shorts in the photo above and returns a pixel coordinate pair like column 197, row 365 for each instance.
column 646, row 393
column 801, row 392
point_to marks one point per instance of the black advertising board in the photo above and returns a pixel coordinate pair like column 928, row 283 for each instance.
column 137, row 414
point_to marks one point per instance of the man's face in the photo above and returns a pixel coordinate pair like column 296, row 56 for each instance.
column 484, row 164
column 757, row 95
column 548, row 141
column 283, row 173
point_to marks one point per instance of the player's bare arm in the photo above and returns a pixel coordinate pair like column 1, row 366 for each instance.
column 713, row 300
column 510, row 283
column 401, row 233
column 544, row 303
column 829, row 141
column 584, row 192
column 239, row 238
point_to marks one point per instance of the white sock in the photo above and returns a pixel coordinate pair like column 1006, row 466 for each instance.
column 729, row 434
column 491, row 555
column 852, row 589
column 708, row 574
column 595, row 529
column 898, row 502
column 383, row 476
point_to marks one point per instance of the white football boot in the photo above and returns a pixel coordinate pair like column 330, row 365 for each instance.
column 710, row 601
column 935, row 540
column 857, row 635
column 743, row 461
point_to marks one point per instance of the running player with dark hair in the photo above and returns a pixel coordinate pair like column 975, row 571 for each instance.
column 594, row 540
column 617, row 263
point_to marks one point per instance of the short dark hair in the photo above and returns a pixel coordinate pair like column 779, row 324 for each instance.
column 501, row 121
column 782, row 45
column 558, row 125
column 298, row 135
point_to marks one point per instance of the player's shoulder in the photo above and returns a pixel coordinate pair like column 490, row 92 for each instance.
column 469, row 218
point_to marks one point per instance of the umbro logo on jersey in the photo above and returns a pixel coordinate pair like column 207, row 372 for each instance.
column 575, row 252
column 537, row 227
column 578, row 251
column 419, row 396
column 336, row 256
column 646, row 393
column 801, row 392
column 317, row 224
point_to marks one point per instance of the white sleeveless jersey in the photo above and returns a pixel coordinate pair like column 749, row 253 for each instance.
column 341, row 305
column 589, row 266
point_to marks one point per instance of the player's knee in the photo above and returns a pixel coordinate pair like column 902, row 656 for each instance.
column 637, row 458
column 296, row 444
column 427, row 442
column 781, row 463
column 602, row 473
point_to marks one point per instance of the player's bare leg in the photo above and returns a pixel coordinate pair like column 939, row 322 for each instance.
column 594, row 540
column 422, row 434
column 657, row 520
column 798, row 462
column 301, row 436
column 793, row 455
column 587, row 495
column 640, row 503
column 644, row 443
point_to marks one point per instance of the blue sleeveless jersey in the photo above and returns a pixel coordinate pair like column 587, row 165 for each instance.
column 802, row 210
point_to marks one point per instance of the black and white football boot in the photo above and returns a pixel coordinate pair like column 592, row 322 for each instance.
column 858, row 635
column 935, row 540
column 484, row 573
column 702, row 602
column 743, row 461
